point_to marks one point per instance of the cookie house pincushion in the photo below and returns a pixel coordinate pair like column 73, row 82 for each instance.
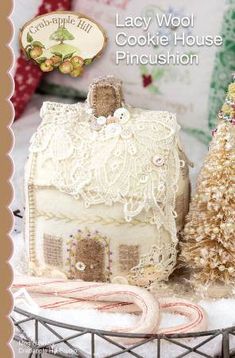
column 107, row 190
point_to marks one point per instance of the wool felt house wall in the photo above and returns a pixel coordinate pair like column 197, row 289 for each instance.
column 107, row 190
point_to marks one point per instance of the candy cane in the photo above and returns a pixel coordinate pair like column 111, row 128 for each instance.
column 195, row 315
column 197, row 320
column 118, row 298
column 90, row 291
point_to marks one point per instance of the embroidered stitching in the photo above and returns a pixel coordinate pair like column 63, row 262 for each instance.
column 105, row 96
column 88, row 219
column 88, row 256
column 33, row 262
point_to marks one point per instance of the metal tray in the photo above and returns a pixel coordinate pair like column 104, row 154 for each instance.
column 38, row 350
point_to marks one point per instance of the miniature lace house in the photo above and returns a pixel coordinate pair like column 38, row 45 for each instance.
column 107, row 190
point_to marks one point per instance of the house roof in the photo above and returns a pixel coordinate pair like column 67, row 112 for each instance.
column 135, row 163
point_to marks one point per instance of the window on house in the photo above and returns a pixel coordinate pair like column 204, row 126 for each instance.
column 128, row 257
column 52, row 250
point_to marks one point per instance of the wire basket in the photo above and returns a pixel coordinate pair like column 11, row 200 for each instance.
column 181, row 340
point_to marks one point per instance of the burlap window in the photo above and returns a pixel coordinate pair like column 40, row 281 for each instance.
column 52, row 250
column 128, row 257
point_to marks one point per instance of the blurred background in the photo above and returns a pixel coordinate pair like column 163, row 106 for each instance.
column 195, row 93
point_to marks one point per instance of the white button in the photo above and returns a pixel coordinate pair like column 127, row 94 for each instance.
column 101, row 120
column 122, row 114
column 158, row 161
column 80, row 266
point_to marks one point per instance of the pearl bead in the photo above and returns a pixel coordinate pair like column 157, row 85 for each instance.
column 101, row 120
column 158, row 161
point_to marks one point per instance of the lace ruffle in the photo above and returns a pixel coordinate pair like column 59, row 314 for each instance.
column 136, row 163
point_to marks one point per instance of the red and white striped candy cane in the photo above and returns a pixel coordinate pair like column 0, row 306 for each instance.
column 196, row 317
column 116, row 298
column 104, row 292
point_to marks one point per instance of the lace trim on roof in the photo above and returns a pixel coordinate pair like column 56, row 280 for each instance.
column 55, row 110
column 138, row 165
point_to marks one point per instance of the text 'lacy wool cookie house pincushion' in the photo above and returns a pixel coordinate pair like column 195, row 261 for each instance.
column 107, row 190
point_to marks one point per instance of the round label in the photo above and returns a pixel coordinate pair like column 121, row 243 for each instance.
column 62, row 40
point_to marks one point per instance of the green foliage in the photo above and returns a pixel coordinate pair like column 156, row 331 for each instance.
column 144, row 70
column 61, row 34
column 29, row 37
column 69, row 55
column 57, row 53
column 27, row 49
column 87, row 61
column 40, row 60
column 154, row 89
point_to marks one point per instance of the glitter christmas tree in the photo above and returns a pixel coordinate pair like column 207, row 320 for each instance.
column 208, row 246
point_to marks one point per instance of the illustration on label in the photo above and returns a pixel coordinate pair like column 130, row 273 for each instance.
column 63, row 40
